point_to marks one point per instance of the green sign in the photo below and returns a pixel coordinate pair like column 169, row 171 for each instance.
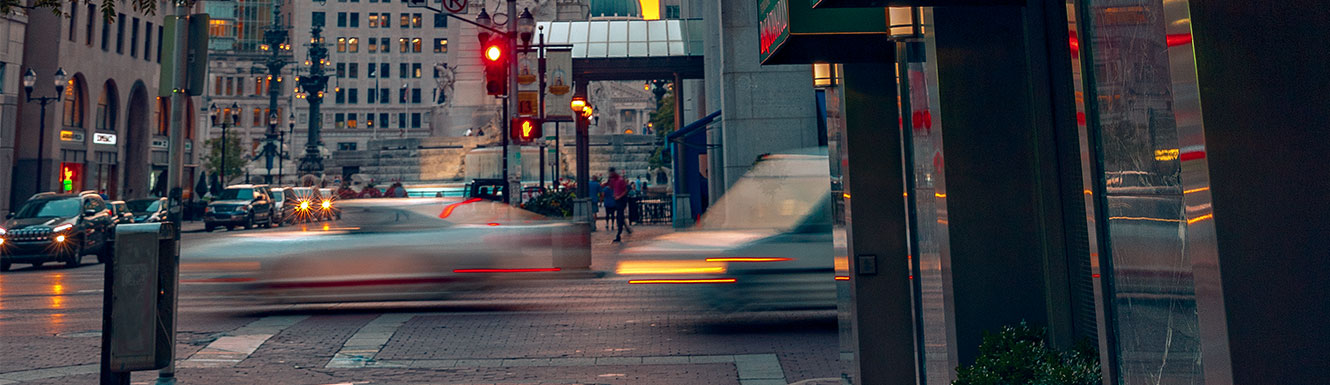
column 792, row 32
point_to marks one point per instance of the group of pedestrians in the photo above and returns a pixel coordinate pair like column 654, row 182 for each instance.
column 618, row 196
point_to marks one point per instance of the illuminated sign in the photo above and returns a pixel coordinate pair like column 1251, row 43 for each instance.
column 103, row 138
column 71, row 136
column 774, row 28
column 159, row 143
column 71, row 176
column 793, row 32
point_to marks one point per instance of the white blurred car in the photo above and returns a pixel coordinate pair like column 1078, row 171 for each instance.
column 766, row 245
column 386, row 249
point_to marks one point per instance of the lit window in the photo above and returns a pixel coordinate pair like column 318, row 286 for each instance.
column 440, row 45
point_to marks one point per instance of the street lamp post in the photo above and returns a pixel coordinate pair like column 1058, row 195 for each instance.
column 312, row 86
column 29, row 81
column 226, row 122
column 282, row 154
column 275, row 39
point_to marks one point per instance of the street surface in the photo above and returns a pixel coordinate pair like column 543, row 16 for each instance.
column 574, row 331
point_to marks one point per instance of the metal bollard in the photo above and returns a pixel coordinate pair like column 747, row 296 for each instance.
column 138, row 302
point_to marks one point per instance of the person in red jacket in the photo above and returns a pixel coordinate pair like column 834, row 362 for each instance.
column 619, row 187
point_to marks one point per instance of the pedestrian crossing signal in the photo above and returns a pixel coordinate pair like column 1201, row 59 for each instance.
column 526, row 130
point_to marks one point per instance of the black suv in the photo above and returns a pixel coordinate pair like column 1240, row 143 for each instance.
column 239, row 205
column 52, row 227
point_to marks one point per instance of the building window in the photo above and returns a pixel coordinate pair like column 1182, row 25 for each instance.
column 440, row 20
column 134, row 38
column 385, row 20
column 415, row 45
column 347, row 146
column 671, row 12
column 373, row 22
column 159, row 43
column 415, row 120
column 106, row 36
column 402, row 71
column 415, row 20
column 354, row 96
column 440, row 45
column 383, row 98
column 341, row 70
column 383, row 45
column 355, row 20
column 316, row 18
column 73, row 21
column 120, row 34
column 230, row 86
column 402, row 45
column 92, row 21
column 340, row 120
column 258, row 117
column 341, row 95
column 353, row 45
column 147, row 42
column 341, row 44
column 415, row 70
column 373, row 45
column 353, row 70
column 74, row 103
column 415, row 96
column 106, row 109
column 383, row 70
column 383, row 120
column 406, row 20
column 371, row 96
column 341, row 20
column 401, row 120
column 351, row 120
column 371, row 70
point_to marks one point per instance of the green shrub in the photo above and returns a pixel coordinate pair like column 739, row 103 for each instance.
column 553, row 204
column 1017, row 355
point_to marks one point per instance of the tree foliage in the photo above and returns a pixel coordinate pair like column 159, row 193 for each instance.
column 235, row 159
column 57, row 7
column 1018, row 355
column 662, row 121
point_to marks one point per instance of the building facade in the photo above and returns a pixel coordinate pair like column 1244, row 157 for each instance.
column 12, row 30
column 109, row 130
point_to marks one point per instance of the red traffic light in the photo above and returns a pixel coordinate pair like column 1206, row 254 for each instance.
column 496, row 67
column 524, row 130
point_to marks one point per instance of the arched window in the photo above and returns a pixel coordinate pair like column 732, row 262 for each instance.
column 162, row 115
column 74, row 102
column 107, row 107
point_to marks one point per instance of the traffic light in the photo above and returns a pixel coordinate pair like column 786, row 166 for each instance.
column 525, row 130
column 495, row 56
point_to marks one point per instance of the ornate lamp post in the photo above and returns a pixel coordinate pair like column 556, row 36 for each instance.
column 29, row 81
column 226, row 122
column 275, row 39
column 312, row 86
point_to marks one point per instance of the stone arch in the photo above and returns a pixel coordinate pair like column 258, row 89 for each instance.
column 138, row 141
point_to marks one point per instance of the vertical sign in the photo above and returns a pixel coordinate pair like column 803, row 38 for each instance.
column 558, row 85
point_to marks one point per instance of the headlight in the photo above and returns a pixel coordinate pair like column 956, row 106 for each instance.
column 327, row 205
column 63, row 227
column 304, row 205
column 60, row 238
column 2, row 231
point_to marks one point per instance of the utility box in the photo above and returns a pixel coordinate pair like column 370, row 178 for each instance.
column 137, row 316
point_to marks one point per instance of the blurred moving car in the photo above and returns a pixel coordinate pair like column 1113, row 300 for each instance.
column 278, row 205
column 147, row 209
column 306, row 205
column 767, row 244
column 52, row 227
column 387, row 249
column 327, row 206
column 239, row 205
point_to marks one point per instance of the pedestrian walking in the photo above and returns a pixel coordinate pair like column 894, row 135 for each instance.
column 619, row 189
column 593, row 189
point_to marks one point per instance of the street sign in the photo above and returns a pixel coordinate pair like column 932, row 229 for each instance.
column 455, row 6
column 528, row 103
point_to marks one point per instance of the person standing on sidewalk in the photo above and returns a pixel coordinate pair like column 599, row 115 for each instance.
column 619, row 186
column 593, row 189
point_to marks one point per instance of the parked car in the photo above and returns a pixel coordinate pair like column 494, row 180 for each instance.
column 327, row 205
column 241, row 205
column 147, row 209
column 120, row 212
column 767, row 244
column 304, row 203
column 52, row 227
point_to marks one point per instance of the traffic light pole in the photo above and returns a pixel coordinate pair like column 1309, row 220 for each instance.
column 510, row 105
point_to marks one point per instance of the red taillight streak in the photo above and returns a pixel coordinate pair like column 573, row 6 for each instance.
column 538, row 270
column 1177, row 39
column 492, row 224
column 681, row 281
column 1191, row 155
column 749, row 259
column 366, row 282
column 218, row 280
column 448, row 210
